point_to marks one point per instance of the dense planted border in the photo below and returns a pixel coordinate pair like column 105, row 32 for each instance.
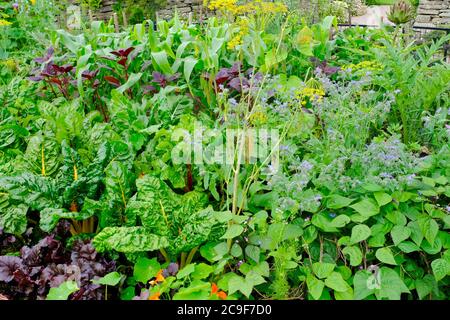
column 91, row 196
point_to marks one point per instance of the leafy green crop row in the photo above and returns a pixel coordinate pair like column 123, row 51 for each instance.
column 358, row 207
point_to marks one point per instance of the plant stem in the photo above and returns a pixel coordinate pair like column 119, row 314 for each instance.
column 191, row 255
column 165, row 255
column 183, row 260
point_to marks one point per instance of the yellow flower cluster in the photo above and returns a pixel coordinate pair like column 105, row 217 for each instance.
column 3, row 22
column 311, row 95
column 243, row 25
column 10, row 64
column 258, row 118
column 364, row 65
column 257, row 6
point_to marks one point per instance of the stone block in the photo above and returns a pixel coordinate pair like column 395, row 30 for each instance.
column 423, row 19
column 427, row 12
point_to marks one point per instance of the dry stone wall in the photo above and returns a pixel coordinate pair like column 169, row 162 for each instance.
column 432, row 13
column 184, row 7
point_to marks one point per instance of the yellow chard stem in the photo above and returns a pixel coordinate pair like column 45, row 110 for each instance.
column 42, row 159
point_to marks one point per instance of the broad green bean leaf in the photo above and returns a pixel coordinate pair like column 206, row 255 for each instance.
column 187, row 270
column 408, row 246
column 254, row 278
column 392, row 286
column 366, row 208
column 323, row 221
column 345, row 272
column 292, row 231
column 399, row 234
column 262, row 268
column 340, row 221
column 382, row 198
column 336, row 282
column 236, row 250
column 425, row 286
column 233, row 231
column 346, row 295
column 253, row 252
column 355, row 255
column 434, row 248
column 360, row 233
column 441, row 268
column 396, row 217
column 238, row 283
column 202, row 271
column 337, row 202
column 429, row 228
column 322, row 269
column 315, row 286
column 416, row 232
column 385, row 255
column 362, row 284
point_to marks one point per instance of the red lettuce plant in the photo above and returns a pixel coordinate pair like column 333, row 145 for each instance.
column 48, row 264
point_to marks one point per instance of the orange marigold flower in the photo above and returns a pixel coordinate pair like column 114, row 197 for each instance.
column 222, row 295
column 214, row 288
column 159, row 278
column 155, row 296
column 215, row 291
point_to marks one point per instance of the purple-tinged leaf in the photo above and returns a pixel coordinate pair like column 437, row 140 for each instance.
column 8, row 265
column 36, row 78
column 114, row 81
column 222, row 76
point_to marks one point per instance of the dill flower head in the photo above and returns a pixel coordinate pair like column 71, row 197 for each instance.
column 4, row 22
column 243, row 27
column 364, row 65
column 258, row 117
column 10, row 64
column 313, row 92
column 252, row 7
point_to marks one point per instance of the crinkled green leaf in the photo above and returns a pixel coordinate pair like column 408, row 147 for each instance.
column 13, row 219
column 128, row 239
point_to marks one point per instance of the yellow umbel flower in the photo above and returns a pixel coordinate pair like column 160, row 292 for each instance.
column 252, row 7
column 308, row 94
column 33, row 2
column 364, row 65
column 243, row 25
column 3, row 22
column 10, row 64
column 258, row 118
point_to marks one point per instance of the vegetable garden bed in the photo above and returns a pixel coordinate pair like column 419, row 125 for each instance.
column 254, row 156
